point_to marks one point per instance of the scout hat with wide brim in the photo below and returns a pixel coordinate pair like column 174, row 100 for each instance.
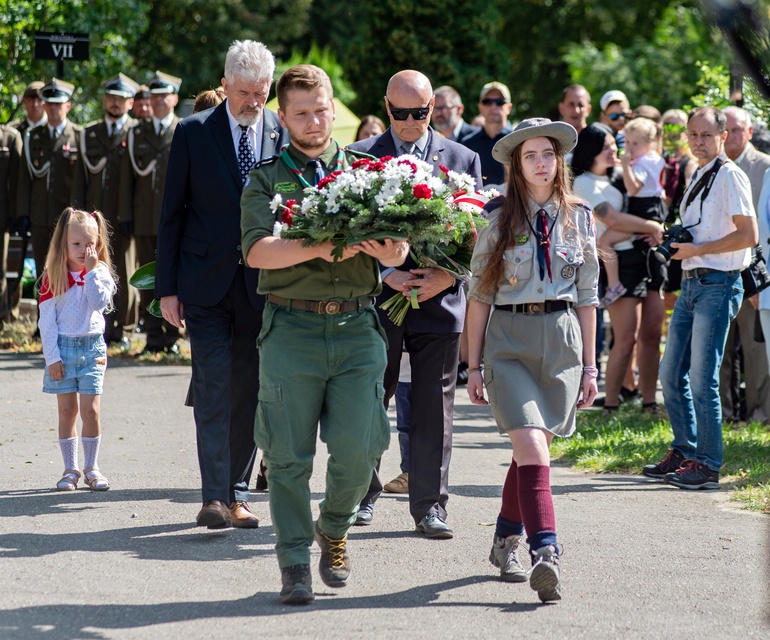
column 564, row 133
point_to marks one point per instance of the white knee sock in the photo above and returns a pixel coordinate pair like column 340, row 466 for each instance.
column 91, row 452
column 69, row 451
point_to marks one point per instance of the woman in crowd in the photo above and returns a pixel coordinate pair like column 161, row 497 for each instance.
column 637, row 317
column 370, row 126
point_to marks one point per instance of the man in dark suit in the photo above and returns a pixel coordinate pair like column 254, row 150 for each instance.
column 431, row 334
column 448, row 115
column 201, row 280
column 96, row 186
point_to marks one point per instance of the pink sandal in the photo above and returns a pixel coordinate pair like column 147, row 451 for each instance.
column 612, row 295
column 69, row 480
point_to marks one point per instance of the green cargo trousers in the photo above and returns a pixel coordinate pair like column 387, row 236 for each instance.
column 325, row 369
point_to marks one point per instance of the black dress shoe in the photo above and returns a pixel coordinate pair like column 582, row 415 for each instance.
column 365, row 515
column 433, row 526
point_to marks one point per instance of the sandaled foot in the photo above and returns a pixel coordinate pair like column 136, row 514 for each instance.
column 69, row 480
column 93, row 478
column 612, row 295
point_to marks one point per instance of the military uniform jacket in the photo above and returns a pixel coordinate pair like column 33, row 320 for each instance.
column 10, row 158
column 97, row 176
column 47, row 173
column 143, row 175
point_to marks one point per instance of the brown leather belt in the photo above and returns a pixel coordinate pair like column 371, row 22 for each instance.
column 330, row 307
column 534, row 308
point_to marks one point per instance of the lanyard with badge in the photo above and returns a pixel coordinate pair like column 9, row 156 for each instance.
column 291, row 165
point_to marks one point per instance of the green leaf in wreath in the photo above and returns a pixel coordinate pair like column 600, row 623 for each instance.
column 154, row 307
column 144, row 277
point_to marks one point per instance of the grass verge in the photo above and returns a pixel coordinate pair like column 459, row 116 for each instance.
column 17, row 337
column 627, row 441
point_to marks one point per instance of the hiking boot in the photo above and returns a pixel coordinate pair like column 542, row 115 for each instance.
column 334, row 565
column 505, row 555
column 694, row 475
column 670, row 463
column 544, row 576
column 297, row 587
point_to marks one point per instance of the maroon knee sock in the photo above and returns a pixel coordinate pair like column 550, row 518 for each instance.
column 510, row 509
column 535, row 499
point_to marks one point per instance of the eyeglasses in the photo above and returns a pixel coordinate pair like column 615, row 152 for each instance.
column 487, row 102
column 694, row 135
column 418, row 113
column 616, row 116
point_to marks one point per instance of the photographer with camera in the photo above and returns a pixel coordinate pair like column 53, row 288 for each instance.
column 718, row 213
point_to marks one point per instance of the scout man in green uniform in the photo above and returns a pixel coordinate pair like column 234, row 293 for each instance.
column 96, row 187
column 143, row 176
column 322, row 350
column 50, row 158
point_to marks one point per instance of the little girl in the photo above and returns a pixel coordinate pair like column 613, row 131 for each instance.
column 77, row 286
column 643, row 169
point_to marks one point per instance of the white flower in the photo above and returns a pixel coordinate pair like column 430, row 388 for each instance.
column 277, row 227
column 276, row 203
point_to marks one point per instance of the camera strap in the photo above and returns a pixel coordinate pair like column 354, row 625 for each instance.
column 703, row 186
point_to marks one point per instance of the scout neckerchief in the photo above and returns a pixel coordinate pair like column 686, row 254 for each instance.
column 290, row 164
column 543, row 235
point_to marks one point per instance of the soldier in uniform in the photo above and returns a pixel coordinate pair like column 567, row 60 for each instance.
column 51, row 155
column 96, row 187
column 10, row 157
column 143, row 177
column 34, row 106
column 142, row 108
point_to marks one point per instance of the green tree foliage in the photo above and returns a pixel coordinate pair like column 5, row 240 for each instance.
column 453, row 42
column 327, row 61
column 714, row 91
column 189, row 38
column 661, row 69
column 539, row 32
column 112, row 24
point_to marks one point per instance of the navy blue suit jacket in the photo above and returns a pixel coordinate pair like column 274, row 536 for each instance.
column 199, row 237
column 445, row 312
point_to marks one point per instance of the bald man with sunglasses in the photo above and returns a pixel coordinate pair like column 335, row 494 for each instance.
column 431, row 334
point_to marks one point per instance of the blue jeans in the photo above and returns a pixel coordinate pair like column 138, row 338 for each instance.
column 689, row 371
column 403, row 419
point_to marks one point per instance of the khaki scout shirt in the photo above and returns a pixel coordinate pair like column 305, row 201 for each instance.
column 315, row 279
column 574, row 266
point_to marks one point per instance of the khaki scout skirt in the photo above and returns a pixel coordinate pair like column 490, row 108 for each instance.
column 533, row 370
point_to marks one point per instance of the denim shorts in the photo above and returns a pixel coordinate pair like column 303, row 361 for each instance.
column 85, row 360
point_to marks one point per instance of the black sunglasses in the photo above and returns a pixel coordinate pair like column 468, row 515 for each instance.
column 418, row 113
column 490, row 101
column 617, row 116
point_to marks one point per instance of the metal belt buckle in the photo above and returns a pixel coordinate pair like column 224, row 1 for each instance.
column 535, row 307
column 333, row 308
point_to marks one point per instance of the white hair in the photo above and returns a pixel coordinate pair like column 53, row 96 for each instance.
column 740, row 114
column 250, row 61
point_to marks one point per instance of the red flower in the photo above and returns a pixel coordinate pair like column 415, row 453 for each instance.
column 328, row 179
column 410, row 164
column 287, row 215
column 290, row 204
column 444, row 169
column 422, row 192
column 363, row 162
column 376, row 166
column 386, row 158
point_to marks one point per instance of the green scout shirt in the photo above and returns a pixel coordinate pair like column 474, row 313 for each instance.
column 314, row 279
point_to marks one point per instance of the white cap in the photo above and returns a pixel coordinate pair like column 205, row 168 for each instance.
column 612, row 96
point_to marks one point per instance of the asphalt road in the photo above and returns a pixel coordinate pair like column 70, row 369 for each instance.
column 641, row 559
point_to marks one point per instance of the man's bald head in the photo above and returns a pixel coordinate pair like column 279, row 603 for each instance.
column 409, row 89
column 410, row 83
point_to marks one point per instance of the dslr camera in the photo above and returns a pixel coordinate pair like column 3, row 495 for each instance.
column 675, row 233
